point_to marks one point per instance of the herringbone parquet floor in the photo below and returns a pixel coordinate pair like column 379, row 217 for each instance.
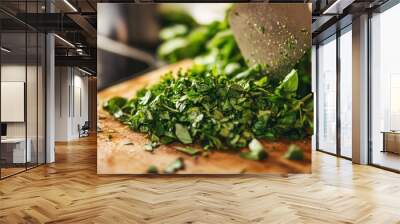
column 70, row 191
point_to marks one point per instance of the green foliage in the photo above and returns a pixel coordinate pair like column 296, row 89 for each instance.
column 172, row 16
column 179, row 43
column 211, row 44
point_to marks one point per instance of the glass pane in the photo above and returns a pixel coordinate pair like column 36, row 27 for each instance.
column 385, row 84
column 13, row 86
column 314, row 81
column 32, row 89
column 41, row 99
column 346, row 93
column 32, row 98
column 327, row 95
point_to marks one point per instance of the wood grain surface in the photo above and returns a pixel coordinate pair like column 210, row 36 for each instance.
column 121, row 150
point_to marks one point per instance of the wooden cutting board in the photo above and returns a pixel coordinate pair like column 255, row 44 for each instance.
column 121, row 151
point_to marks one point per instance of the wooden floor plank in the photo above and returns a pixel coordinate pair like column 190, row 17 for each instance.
column 70, row 191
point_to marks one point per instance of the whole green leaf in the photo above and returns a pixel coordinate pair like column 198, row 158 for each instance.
column 173, row 31
column 174, row 49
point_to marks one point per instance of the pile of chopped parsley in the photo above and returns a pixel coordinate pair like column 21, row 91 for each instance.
column 217, row 111
column 220, row 103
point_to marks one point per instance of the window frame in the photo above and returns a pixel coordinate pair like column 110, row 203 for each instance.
column 338, row 33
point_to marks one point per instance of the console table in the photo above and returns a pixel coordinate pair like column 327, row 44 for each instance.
column 391, row 141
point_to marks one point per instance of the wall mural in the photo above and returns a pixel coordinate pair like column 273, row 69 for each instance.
column 204, row 88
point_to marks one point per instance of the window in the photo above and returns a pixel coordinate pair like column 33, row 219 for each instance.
column 22, row 77
column 327, row 95
column 346, row 92
column 385, row 89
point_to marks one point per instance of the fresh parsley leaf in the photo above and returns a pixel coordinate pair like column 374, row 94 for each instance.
column 290, row 83
column 151, row 146
column 152, row 169
column 175, row 166
column 294, row 152
column 145, row 99
column 148, row 147
column 183, row 134
column 256, row 152
column 114, row 104
column 188, row 150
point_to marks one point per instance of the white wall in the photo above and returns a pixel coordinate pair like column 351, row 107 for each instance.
column 62, row 81
column 71, row 102
column 33, row 127
column 12, row 73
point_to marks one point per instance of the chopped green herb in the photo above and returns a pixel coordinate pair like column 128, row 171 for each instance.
column 150, row 146
column 175, row 166
column 260, row 155
column 290, row 83
column 294, row 153
column 255, row 145
column 152, row 169
column 114, row 105
column 259, row 28
column 173, row 31
column 218, row 112
column 256, row 152
column 188, row 150
column 205, row 153
column 183, row 134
